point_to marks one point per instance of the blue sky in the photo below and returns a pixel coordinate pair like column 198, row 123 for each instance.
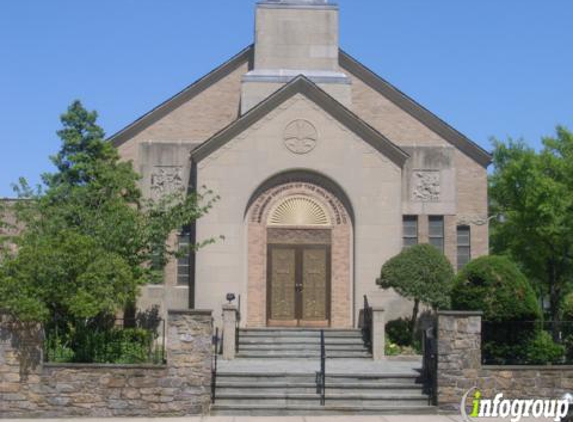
column 488, row 67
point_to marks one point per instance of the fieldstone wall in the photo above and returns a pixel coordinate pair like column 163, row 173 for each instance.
column 460, row 368
column 31, row 389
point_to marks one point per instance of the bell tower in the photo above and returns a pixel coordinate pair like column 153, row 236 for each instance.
column 295, row 37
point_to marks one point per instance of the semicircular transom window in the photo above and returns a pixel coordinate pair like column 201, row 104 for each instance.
column 299, row 211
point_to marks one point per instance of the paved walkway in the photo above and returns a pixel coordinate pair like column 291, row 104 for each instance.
column 397, row 418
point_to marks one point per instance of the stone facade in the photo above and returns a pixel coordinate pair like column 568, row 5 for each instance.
column 31, row 388
column 460, row 368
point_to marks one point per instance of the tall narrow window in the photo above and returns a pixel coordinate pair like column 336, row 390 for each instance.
column 410, row 231
column 184, row 260
column 464, row 246
column 436, row 232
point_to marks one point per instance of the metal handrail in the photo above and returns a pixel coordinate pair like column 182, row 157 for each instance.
column 430, row 365
column 238, row 327
column 367, row 322
column 321, row 376
column 215, row 348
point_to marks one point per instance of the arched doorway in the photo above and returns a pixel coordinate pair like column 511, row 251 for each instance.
column 300, row 256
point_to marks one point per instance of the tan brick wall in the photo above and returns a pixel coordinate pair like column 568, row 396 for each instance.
column 196, row 120
column 471, row 177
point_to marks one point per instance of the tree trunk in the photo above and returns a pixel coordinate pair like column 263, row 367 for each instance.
column 415, row 320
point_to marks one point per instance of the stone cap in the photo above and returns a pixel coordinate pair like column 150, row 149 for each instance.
column 315, row 4
column 204, row 312
column 460, row 313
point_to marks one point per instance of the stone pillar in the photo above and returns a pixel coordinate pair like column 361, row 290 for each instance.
column 229, row 334
column 459, row 356
column 189, row 354
column 378, row 333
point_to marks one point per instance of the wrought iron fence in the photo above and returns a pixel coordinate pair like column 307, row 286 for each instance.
column 106, row 339
column 527, row 343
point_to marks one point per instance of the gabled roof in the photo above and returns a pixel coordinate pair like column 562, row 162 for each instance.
column 180, row 98
column 414, row 109
column 349, row 64
column 302, row 85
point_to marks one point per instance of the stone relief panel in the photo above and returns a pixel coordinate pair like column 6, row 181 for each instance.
column 477, row 220
column 166, row 180
column 300, row 136
column 426, row 186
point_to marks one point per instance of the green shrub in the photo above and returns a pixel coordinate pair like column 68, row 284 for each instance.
column 422, row 274
column 496, row 286
column 567, row 308
column 543, row 350
column 399, row 331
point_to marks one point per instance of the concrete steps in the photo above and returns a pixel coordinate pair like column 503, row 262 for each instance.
column 260, row 381
column 287, row 343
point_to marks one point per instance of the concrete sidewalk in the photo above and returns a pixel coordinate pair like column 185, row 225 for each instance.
column 397, row 418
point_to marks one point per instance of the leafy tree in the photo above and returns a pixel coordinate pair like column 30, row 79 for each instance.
column 495, row 286
column 89, row 235
column 533, row 192
column 420, row 273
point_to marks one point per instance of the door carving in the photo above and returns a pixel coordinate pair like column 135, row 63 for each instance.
column 298, row 285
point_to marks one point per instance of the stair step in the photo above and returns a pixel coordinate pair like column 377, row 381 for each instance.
column 301, row 355
column 314, row 410
column 299, row 334
column 331, row 378
column 300, row 340
column 308, row 347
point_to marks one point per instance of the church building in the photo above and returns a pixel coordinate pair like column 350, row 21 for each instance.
column 324, row 171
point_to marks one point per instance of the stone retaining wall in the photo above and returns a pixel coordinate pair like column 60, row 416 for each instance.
column 460, row 368
column 31, row 389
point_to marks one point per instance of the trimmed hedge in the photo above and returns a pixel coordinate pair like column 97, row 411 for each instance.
column 496, row 286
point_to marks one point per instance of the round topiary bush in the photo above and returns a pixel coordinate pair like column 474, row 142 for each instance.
column 496, row 286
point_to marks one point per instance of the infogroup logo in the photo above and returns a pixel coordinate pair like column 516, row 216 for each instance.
column 475, row 407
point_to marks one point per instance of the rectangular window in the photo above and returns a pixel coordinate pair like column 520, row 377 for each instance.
column 410, row 231
column 464, row 246
column 436, row 232
column 184, row 260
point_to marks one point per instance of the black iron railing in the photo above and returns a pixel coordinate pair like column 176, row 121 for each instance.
column 214, row 360
column 106, row 339
column 366, row 324
column 321, row 375
column 430, row 365
column 238, row 327
column 527, row 342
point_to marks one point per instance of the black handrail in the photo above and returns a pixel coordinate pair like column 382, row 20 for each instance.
column 321, row 376
column 430, row 366
column 366, row 324
column 215, row 348
column 238, row 327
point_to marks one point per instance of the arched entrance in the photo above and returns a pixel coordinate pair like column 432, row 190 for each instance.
column 300, row 256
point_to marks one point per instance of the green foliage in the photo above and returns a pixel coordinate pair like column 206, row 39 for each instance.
column 115, row 345
column 89, row 236
column 496, row 286
column 567, row 307
column 532, row 191
column 543, row 350
column 420, row 273
column 399, row 332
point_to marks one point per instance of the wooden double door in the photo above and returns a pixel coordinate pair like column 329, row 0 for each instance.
column 298, row 290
